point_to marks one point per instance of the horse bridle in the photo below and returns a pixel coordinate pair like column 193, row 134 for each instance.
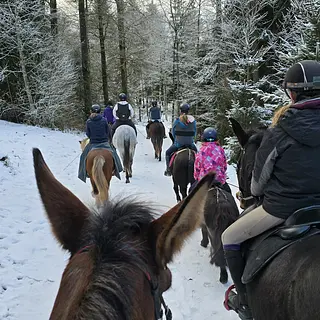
column 158, row 300
column 155, row 291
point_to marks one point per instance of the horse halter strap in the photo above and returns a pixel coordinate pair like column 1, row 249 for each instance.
column 158, row 300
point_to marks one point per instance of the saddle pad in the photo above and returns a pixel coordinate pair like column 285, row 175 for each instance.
column 174, row 156
column 266, row 250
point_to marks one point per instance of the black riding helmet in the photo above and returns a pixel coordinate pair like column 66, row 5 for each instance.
column 303, row 77
column 95, row 108
column 122, row 96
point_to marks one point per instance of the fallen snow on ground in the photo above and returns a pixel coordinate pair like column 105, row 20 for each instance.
column 31, row 262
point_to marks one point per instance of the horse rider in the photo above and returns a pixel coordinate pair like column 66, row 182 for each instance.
column 154, row 116
column 286, row 173
column 123, row 112
column 108, row 113
column 211, row 157
column 184, row 130
column 97, row 130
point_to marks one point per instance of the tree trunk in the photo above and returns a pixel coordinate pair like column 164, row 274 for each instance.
column 24, row 73
column 54, row 17
column 85, row 57
column 122, row 45
column 175, row 74
column 103, row 53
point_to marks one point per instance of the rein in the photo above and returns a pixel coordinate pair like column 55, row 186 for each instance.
column 157, row 296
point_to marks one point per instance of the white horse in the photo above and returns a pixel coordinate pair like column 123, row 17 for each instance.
column 125, row 141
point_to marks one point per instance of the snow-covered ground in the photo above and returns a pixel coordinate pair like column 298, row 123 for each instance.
column 31, row 262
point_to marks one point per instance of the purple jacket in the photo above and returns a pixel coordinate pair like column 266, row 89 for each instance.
column 107, row 114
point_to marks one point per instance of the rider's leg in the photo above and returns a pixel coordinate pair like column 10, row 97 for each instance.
column 250, row 225
column 114, row 127
column 131, row 124
column 169, row 152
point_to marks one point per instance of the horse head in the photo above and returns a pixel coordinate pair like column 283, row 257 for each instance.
column 250, row 142
column 118, row 258
column 83, row 143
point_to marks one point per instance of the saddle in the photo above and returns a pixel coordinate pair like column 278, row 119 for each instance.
column 173, row 156
column 259, row 251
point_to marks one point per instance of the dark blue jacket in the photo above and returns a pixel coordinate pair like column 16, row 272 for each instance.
column 97, row 129
column 184, row 134
column 155, row 113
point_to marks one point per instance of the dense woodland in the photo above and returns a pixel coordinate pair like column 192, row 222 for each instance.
column 224, row 57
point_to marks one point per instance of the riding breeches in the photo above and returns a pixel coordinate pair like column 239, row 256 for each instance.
column 118, row 123
column 250, row 225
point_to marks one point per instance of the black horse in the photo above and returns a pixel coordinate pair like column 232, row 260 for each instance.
column 288, row 286
column 220, row 212
column 157, row 132
column 182, row 170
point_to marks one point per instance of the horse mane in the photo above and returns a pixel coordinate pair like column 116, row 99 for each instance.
column 118, row 257
column 256, row 135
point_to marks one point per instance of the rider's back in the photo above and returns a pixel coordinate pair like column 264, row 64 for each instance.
column 184, row 130
column 211, row 157
column 97, row 129
column 293, row 145
column 155, row 113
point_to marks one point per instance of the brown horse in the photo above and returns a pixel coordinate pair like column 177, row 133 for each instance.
column 100, row 167
column 182, row 171
column 156, row 132
column 118, row 264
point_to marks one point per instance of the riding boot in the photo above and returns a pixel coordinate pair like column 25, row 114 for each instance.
column 238, row 302
column 168, row 171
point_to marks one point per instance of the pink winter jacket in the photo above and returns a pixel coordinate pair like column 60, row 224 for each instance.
column 211, row 157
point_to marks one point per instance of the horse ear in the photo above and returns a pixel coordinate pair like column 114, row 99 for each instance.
column 66, row 213
column 239, row 132
column 169, row 232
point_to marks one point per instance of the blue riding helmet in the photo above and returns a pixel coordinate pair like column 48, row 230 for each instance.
column 185, row 108
column 209, row 135
column 95, row 108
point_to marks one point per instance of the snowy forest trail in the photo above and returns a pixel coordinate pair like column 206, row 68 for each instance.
column 31, row 262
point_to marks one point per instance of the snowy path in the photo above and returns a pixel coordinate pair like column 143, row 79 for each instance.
column 31, row 263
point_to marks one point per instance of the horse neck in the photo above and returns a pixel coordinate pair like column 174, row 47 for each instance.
column 220, row 212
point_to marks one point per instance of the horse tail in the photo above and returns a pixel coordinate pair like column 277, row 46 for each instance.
column 126, row 153
column 99, row 178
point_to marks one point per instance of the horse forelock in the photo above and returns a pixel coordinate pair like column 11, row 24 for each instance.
column 118, row 257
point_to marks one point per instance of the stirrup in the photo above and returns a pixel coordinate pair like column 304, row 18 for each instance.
column 168, row 173
column 229, row 303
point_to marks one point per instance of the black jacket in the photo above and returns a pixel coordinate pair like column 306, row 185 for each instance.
column 97, row 129
column 287, row 165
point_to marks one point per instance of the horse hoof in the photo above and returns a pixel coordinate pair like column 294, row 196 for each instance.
column 127, row 181
column 203, row 244
column 223, row 280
